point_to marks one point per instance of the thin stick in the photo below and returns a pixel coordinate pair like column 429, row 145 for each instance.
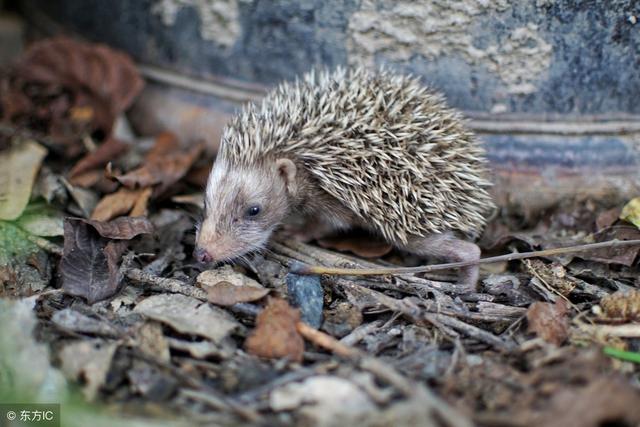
column 413, row 390
column 318, row 269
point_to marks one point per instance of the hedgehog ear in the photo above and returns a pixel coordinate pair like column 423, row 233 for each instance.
column 287, row 170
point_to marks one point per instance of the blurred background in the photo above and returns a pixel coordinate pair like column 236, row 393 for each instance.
column 551, row 87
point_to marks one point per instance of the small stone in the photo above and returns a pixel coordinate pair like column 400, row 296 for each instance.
column 305, row 293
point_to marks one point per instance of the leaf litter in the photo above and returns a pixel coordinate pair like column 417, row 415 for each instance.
column 95, row 241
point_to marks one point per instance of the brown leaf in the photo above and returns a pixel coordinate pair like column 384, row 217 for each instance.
column 106, row 152
column 106, row 73
column 275, row 335
column 140, row 207
column 165, row 164
column 549, row 321
column 622, row 305
column 226, row 294
column 363, row 246
column 122, row 228
column 89, row 264
column 119, row 203
column 88, row 179
column 66, row 88
column 227, row 287
column 198, row 176
column 624, row 255
column 607, row 218
column 605, row 401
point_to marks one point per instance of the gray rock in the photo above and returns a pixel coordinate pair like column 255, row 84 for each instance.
column 305, row 293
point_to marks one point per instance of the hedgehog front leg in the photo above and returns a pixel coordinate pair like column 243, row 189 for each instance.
column 451, row 249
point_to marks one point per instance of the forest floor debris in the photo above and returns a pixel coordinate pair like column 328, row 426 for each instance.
column 98, row 286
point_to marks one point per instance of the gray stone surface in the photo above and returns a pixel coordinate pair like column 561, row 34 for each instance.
column 533, row 56
column 305, row 293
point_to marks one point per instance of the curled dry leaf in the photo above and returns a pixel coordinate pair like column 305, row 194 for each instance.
column 363, row 246
column 123, row 228
column 549, row 321
column 165, row 164
column 226, row 287
column 19, row 166
column 105, row 153
column 622, row 305
column 122, row 202
column 65, row 89
column 276, row 335
column 89, row 263
column 105, row 73
column 85, row 199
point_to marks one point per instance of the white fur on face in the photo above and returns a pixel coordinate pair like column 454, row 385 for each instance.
column 226, row 231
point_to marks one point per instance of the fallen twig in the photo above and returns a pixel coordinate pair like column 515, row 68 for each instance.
column 384, row 372
column 169, row 285
column 318, row 269
column 45, row 245
column 417, row 314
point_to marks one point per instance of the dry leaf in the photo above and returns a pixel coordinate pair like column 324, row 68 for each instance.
column 189, row 315
column 87, row 179
column 605, row 401
column 607, row 218
column 123, row 228
column 140, row 206
column 86, row 199
column 69, row 88
column 121, row 202
column 89, row 361
column 227, row 287
column 165, row 164
column 108, row 74
column 106, row 152
column 89, row 264
column 18, row 169
column 275, row 335
column 622, row 305
column 190, row 199
column 549, row 321
column 226, row 294
column 624, row 255
column 326, row 400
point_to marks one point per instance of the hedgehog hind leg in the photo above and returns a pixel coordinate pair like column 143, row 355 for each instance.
column 451, row 249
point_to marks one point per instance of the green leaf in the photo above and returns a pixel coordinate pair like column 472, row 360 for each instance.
column 629, row 356
column 15, row 246
column 41, row 220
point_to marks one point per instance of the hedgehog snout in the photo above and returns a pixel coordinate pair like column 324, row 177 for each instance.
column 202, row 255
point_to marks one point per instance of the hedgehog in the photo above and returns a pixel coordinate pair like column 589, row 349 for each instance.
column 342, row 149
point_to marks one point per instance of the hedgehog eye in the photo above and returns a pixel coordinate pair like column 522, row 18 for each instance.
column 253, row 210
